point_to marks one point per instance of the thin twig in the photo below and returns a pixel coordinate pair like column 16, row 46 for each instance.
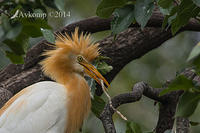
column 110, row 102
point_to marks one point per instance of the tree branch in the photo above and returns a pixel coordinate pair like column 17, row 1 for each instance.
column 129, row 45
column 166, row 111
column 93, row 25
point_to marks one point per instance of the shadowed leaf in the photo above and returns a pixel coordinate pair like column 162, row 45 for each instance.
column 123, row 17
column 16, row 59
column 195, row 52
column 104, row 68
column 143, row 11
column 187, row 104
column 97, row 105
column 106, row 7
column 48, row 35
column 165, row 3
column 180, row 83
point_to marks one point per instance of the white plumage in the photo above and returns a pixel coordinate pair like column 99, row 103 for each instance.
column 40, row 109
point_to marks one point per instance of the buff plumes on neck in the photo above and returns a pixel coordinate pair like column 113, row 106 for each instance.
column 66, row 64
column 60, row 60
column 61, row 65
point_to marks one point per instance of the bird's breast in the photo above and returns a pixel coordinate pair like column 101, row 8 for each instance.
column 78, row 104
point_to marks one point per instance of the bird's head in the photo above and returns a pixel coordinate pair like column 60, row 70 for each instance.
column 72, row 55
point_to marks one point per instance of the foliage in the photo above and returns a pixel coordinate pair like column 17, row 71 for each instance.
column 18, row 26
column 123, row 17
column 143, row 11
column 97, row 105
column 180, row 83
column 195, row 52
column 177, row 12
column 190, row 98
column 106, row 7
column 97, row 102
column 187, row 104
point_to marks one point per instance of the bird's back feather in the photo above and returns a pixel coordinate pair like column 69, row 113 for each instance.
column 41, row 108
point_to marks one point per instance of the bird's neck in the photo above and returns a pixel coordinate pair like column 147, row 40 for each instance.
column 79, row 102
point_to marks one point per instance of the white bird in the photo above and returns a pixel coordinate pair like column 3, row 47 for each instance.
column 61, row 106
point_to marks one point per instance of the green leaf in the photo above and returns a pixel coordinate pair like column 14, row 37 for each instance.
column 97, row 105
column 6, row 23
column 100, row 58
column 106, row 7
column 32, row 30
column 41, row 23
column 192, row 123
column 143, row 11
column 14, row 46
column 123, row 17
column 92, row 85
column 16, row 59
column 185, row 11
column 196, row 63
column 132, row 127
column 23, row 39
column 180, row 15
column 180, row 83
column 32, row 26
column 197, row 2
column 48, row 35
column 104, row 68
column 165, row 3
column 195, row 52
column 18, row 45
column 168, row 18
column 187, row 104
column 165, row 11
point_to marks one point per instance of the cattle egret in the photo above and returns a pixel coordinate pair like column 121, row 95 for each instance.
column 61, row 106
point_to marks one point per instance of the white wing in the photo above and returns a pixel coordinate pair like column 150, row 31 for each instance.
column 40, row 109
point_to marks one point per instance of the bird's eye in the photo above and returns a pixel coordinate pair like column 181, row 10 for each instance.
column 79, row 58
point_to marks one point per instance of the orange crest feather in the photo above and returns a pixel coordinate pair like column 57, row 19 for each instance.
column 58, row 61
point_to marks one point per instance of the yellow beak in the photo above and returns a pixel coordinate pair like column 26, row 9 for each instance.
column 93, row 73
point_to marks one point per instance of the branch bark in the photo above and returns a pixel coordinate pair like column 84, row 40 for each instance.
column 129, row 45
column 167, row 108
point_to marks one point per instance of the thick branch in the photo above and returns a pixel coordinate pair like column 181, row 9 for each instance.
column 166, row 111
column 129, row 45
column 92, row 25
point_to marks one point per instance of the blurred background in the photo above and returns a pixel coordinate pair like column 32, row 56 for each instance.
column 154, row 68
